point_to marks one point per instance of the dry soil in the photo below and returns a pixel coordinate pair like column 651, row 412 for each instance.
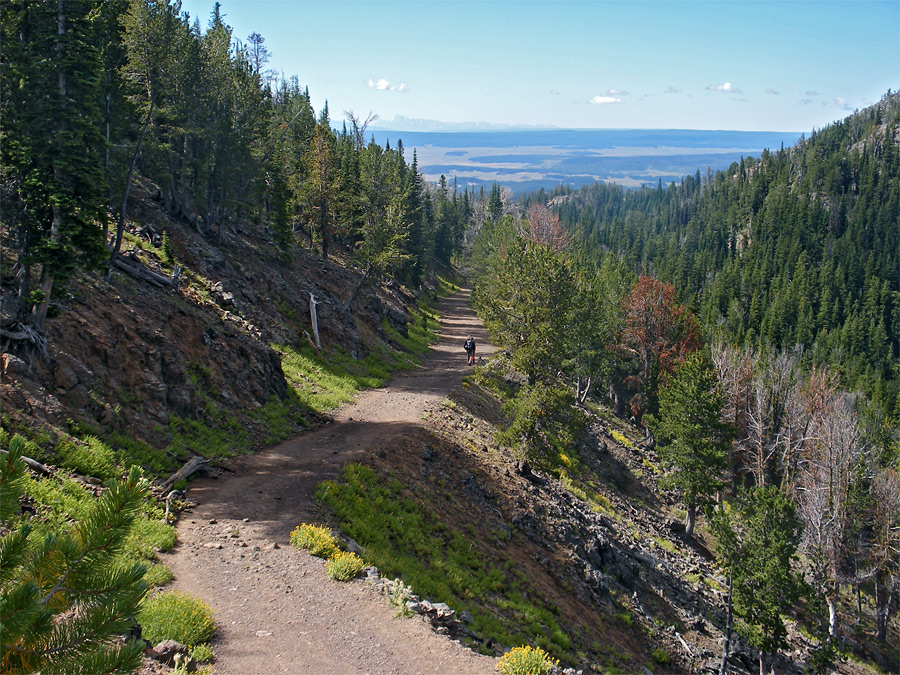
column 276, row 610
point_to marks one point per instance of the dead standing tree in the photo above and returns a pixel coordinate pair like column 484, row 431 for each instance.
column 833, row 448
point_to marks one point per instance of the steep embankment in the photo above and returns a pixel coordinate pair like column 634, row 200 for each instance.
column 162, row 373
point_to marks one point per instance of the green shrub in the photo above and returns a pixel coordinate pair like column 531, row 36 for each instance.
column 626, row 618
column 666, row 545
column 92, row 457
column 158, row 575
column 202, row 653
column 343, row 566
column 542, row 424
column 317, row 539
column 176, row 616
column 398, row 597
column 526, row 660
column 146, row 537
column 660, row 656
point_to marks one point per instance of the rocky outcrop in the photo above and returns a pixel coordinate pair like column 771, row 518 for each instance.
column 128, row 356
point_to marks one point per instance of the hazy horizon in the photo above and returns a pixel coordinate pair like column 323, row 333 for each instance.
column 529, row 159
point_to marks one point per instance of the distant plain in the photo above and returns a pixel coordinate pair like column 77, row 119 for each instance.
column 529, row 159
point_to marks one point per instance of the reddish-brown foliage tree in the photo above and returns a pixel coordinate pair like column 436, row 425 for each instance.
column 659, row 334
column 542, row 227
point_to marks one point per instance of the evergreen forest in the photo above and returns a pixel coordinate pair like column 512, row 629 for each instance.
column 743, row 326
column 98, row 95
column 795, row 249
column 749, row 322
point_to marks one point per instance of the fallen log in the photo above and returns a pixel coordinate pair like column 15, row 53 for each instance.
column 135, row 268
column 33, row 464
column 192, row 466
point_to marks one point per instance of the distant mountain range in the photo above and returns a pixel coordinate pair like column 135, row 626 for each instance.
column 526, row 159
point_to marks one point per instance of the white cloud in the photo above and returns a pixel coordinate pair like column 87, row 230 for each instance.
column 772, row 90
column 805, row 101
column 616, row 92
column 555, row 92
column 812, row 92
column 725, row 87
column 672, row 90
column 603, row 100
column 384, row 85
column 842, row 103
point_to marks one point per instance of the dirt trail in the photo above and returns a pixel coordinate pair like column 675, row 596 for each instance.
column 276, row 609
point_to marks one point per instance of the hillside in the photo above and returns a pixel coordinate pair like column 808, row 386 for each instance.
column 216, row 308
column 795, row 247
column 589, row 563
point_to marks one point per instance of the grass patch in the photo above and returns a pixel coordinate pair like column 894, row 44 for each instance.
column 620, row 438
column 158, row 575
column 133, row 451
column 666, row 545
column 318, row 386
column 713, row 584
column 660, row 657
column 599, row 503
column 317, row 539
column 176, row 616
column 226, row 439
column 626, row 617
column 344, row 566
column 88, row 457
column 202, row 653
column 406, row 540
column 147, row 536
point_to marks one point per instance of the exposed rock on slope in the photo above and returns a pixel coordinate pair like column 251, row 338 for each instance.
column 127, row 356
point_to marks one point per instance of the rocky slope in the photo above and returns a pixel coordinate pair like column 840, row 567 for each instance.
column 194, row 369
column 131, row 357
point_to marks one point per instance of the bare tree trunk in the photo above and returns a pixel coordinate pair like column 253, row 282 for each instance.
column 832, row 616
column 689, row 520
column 314, row 319
column 884, row 597
column 123, row 207
column 726, row 647
column 581, row 392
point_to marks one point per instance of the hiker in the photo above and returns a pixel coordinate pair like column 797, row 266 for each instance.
column 470, row 350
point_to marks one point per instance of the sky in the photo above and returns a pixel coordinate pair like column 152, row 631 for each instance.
column 788, row 65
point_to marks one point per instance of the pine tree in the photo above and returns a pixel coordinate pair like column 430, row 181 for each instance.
column 51, row 152
column 694, row 439
column 66, row 597
column 759, row 548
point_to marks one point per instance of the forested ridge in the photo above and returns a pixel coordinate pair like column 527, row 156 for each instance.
column 800, row 247
column 173, row 212
column 748, row 322
column 97, row 96
column 179, row 230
